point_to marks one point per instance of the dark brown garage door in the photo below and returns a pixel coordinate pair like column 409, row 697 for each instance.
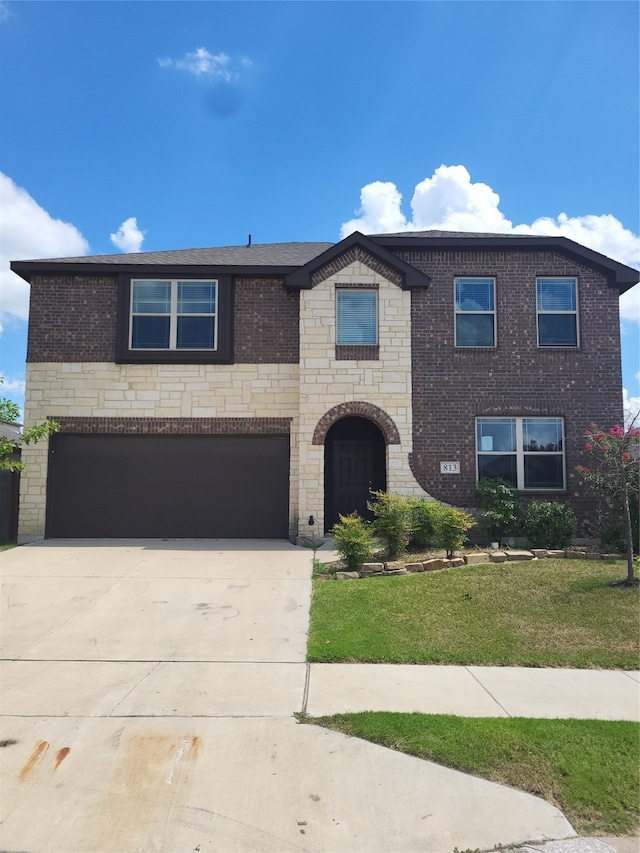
column 176, row 486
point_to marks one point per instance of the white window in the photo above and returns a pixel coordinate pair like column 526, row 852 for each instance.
column 475, row 312
column 557, row 309
column 527, row 452
column 357, row 316
column 173, row 315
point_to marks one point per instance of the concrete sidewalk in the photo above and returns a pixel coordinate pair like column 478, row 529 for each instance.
column 474, row 691
column 147, row 701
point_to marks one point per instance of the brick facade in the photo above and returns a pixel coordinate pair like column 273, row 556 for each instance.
column 73, row 318
column 266, row 320
column 176, row 426
column 452, row 386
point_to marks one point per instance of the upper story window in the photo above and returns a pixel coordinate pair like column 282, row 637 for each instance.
column 174, row 320
column 557, row 310
column 356, row 316
column 173, row 315
column 527, row 452
column 475, row 312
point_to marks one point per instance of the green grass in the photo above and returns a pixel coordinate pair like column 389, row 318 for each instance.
column 587, row 768
column 542, row 613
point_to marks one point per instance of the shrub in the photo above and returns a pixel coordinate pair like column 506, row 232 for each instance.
column 353, row 540
column 502, row 508
column 425, row 516
column 453, row 524
column 549, row 524
column 392, row 521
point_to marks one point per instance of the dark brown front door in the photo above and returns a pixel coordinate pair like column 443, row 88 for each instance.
column 352, row 474
column 354, row 467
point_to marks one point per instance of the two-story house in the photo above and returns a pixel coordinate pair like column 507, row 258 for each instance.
column 258, row 391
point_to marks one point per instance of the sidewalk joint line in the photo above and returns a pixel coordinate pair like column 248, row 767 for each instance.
column 305, row 692
column 134, row 687
column 487, row 691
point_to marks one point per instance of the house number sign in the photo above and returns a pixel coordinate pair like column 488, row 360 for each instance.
column 449, row 467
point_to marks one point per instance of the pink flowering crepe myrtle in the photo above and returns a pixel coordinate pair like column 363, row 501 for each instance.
column 615, row 471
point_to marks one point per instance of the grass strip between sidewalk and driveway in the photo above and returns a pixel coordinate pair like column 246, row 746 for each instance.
column 586, row 768
column 557, row 613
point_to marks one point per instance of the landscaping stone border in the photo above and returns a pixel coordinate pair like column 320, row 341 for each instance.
column 398, row 567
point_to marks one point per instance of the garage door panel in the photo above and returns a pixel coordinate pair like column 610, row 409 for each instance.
column 168, row 486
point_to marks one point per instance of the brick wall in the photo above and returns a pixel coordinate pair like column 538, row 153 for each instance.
column 266, row 321
column 73, row 319
column 451, row 387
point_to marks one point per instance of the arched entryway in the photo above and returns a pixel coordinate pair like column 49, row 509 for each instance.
column 354, row 465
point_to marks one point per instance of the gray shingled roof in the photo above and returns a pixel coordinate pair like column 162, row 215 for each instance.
column 438, row 234
column 265, row 254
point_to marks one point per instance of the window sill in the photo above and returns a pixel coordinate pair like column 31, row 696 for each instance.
column 357, row 352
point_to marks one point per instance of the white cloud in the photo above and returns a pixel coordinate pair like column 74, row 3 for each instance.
column 449, row 201
column 128, row 237
column 631, row 408
column 379, row 211
column 29, row 232
column 9, row 385
column 630, row 305
column 205, row 65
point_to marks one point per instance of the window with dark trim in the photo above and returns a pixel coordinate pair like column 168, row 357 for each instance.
column 527, row 452
column 475, row 312
column 177, row 319
column 356, row 316
column 557, row 312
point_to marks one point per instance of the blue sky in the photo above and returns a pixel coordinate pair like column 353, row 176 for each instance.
column 162, row 125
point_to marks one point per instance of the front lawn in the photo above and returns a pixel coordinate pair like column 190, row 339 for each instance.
column 538, row 613
column 587, row 768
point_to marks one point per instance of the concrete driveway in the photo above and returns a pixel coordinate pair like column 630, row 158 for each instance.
column 147, row 699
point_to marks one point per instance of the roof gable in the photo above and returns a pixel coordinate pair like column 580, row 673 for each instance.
column 357, row 247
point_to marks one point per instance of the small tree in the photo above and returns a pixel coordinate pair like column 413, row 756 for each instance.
column 424, row 521
column 392, row 521
column 453, row 524
column 353, row 540
column 501, row 505
column 9, row 414
column 615, row 473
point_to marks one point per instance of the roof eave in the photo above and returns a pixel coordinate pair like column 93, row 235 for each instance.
column 27, row 269
column 622, row 276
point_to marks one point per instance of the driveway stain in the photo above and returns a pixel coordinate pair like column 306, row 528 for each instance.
column 37, row 754
column 150, row 780
column 61, row 754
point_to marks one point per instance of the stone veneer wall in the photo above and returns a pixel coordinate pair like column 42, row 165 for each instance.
column 93, row 391
column 327, row 381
